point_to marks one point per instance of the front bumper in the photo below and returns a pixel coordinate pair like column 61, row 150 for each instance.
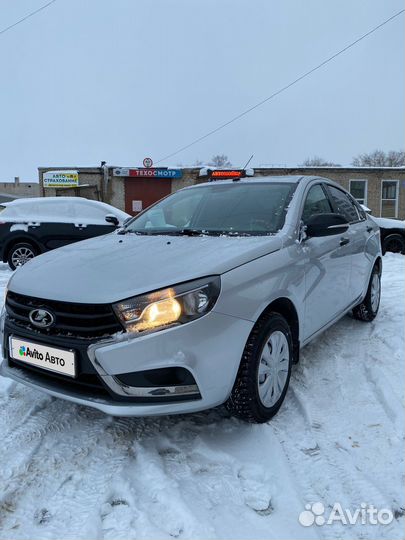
column 209, row 349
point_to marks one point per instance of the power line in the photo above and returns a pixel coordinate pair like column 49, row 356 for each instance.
column 260, row 103
column 27, row 17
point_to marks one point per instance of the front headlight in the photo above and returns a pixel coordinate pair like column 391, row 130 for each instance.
column 167, row 307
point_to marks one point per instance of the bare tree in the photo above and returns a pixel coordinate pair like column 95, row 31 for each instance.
column 221, row 160
column 379, row 158
column 198, row 163
column 317, row 161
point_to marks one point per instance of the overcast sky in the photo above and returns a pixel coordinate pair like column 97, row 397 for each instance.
column 90, row 80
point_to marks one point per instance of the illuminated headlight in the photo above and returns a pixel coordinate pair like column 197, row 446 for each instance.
column 167, row 307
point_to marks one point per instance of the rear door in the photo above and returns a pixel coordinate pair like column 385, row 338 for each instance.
column 358, row 234
column 327, row 267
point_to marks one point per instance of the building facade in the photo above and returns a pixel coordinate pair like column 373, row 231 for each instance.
column 382, row 189
column 16, row 189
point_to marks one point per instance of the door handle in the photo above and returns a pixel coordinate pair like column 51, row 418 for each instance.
column 344, row 241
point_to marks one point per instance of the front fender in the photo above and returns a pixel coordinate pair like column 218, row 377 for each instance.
column 248, row 290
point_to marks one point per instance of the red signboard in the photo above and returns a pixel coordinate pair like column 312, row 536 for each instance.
column 227, row 174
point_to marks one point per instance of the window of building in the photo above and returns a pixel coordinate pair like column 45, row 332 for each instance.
column 389, row 198
column 358, row 189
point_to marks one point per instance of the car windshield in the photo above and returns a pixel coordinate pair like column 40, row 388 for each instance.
column 231, row 209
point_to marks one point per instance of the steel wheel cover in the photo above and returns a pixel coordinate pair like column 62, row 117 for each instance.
column 375, row 292
column 273, row 368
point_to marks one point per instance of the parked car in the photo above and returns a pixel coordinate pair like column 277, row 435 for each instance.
column 32, row 226
column 392, row 233
column 203, row 299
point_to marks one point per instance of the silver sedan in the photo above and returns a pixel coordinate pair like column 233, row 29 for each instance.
column 203, row 299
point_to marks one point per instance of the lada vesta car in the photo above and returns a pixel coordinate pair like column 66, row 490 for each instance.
column 203, row 299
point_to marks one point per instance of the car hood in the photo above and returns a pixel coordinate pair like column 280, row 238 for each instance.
column 113, row 267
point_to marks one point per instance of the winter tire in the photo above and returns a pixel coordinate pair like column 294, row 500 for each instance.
column 368, row 309
column 394, row 243
column 20, row 253
column 264, row 372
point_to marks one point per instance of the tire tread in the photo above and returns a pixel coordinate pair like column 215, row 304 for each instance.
column 364, row 311
column 242, row 402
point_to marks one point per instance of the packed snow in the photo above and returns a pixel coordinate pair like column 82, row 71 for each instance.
column 68, row 471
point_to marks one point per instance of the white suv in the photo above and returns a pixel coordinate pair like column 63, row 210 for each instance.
column 203, row 299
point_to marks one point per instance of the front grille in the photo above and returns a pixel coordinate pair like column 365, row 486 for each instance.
column 85, row 321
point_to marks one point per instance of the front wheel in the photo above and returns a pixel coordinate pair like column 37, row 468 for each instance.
column 368, row 309
column 20, row 253
column 264, row 372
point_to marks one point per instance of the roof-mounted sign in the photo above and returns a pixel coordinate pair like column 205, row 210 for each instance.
column 145, row 172
column 60, row 179
column 224, row 174
column 147, row 162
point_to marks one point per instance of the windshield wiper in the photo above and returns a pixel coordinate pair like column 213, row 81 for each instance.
column 210, row 232
column 184, row 232
column 192, row 232
column 128, row 231
column 171, row 232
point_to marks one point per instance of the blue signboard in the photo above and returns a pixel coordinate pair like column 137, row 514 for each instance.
column 167, row 173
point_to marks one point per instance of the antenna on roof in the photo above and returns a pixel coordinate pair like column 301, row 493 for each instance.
column 248, row 161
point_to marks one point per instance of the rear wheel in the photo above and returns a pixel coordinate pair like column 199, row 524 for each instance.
column 394, row 243
column 368, row 309
column 264, row 371
column 20, row 253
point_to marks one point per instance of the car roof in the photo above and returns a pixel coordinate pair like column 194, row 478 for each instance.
column 269, row 179
column 30, row 200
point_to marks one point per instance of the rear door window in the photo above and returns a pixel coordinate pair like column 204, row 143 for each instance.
column 343, row 204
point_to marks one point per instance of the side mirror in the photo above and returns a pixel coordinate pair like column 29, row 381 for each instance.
column 367, row 210
column 110, row 218
column 326, row 225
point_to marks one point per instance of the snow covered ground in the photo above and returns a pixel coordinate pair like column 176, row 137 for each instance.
column 70, row 472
